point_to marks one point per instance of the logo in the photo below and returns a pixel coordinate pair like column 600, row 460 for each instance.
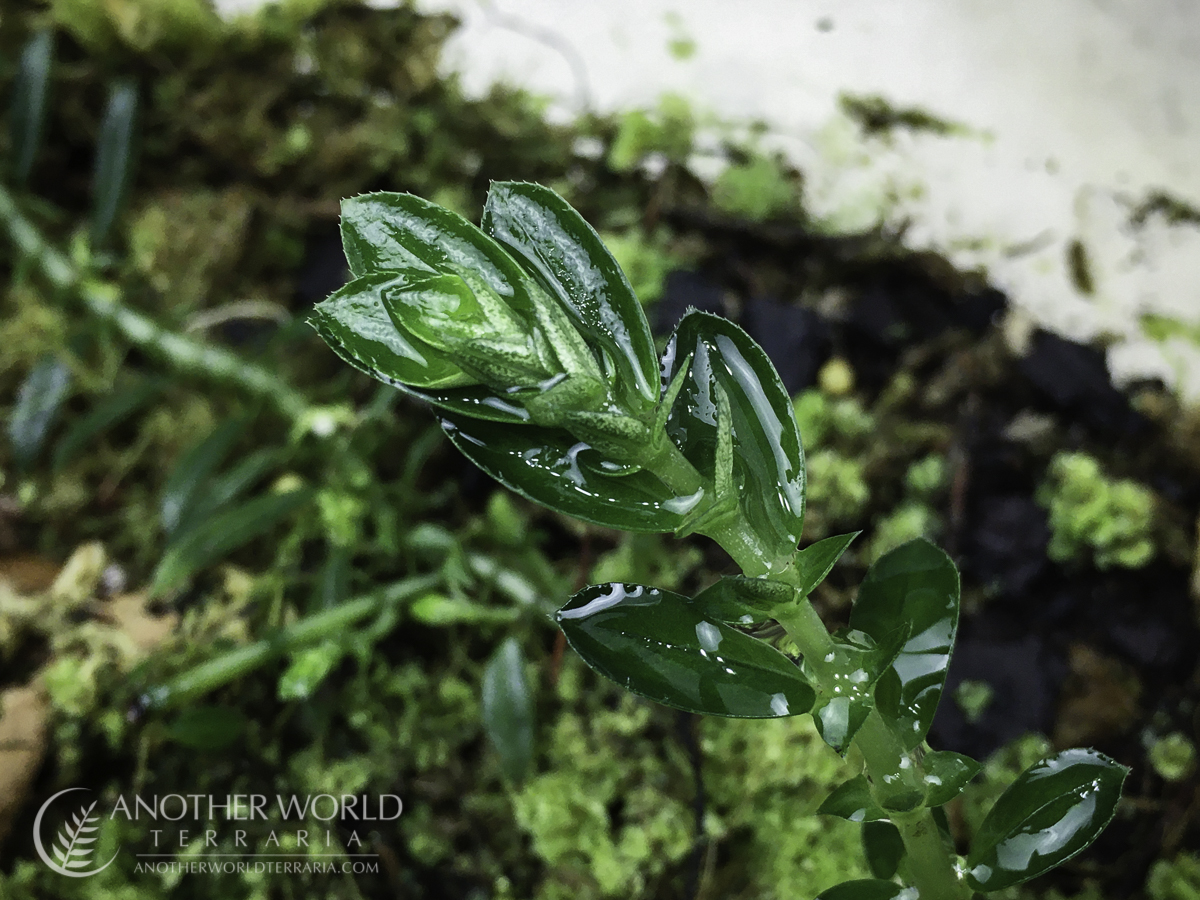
column 72, row 849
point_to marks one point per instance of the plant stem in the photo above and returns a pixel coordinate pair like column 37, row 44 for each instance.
column 221, row 670
column 892, row 769
column 103, row 301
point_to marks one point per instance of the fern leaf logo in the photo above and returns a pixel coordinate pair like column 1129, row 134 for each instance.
column 72, row 851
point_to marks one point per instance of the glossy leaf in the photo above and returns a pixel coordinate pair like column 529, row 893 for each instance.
column 767, row 459
column 850, row 671
column 869, row 889
column 551, row 467
column 656, row 643
column 30, row 91
column 742, row 600
column 109, row 412
column 401, row 231
column 212, row 540
column 355, row 322
column 39, row 400
column 817, row 560
column 186, row 483
column 883, row 847
column 114, row 158
column 567, row 258
column 916, row 585
column 852, row 800
column 508, row 714
column 946, row 774
column 1052, row 811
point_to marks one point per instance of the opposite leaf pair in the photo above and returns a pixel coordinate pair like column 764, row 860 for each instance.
column 528, row 338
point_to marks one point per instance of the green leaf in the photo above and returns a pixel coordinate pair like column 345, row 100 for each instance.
column 768, row 461
column 868, row 889
column 438, row 610
column 308, row 669
column 816, row 561
column 551, row 467
column 109, row 412
column 883, row 847
column 508, row 709
column 190, row 475
column 401, row 231
column 916, row 585
column 114, row 158
column 947, row 773
column 228, row 486
column 207, row 727
column 851, row 670
column 355, row 322
column 30, row 90
column 657, row 643
column 852, row 800
column 742, row 600
column 567, row 258
column 1054, row 809
column 39, row 400
column 220, row 535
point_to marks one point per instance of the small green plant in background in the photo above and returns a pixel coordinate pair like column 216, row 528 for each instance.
column 1090, row 512
column 526, row 338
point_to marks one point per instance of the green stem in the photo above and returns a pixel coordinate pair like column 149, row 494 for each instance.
column 221, row 670
column 103, row 301
column 892, row 769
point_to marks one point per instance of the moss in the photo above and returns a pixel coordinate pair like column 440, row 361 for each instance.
column 1175, row 879
column 759, row 189
column 1091, row 513
column 668, row 130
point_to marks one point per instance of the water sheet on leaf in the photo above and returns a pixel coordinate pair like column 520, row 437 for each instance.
column 915, row 584
column 657, row 643
column 1053, row 810
column 768, row 461
column 566, row 256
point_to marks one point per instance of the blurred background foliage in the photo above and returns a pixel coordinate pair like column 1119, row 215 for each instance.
column 229, row 564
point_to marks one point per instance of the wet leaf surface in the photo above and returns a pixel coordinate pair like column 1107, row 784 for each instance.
column 1051, row 812
column 916, row 584
column 767, row 459
column 656, row 643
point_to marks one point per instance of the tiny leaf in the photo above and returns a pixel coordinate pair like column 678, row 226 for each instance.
column 39, row 400
column 109, row 412
column 1052, row 811
column 308, row 669
column 657, row 643
column 508, row 714
column 915, row 584
column 30, row 90
column 213, row 539
column 190, row 476
column 742, row 600
column 946, row 774
column 816, row 561
column 883, row 847
column 114, row 158
column 852, row 800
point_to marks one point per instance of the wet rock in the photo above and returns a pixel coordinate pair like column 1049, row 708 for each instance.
column 1074, row 379
column 1007, row 547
